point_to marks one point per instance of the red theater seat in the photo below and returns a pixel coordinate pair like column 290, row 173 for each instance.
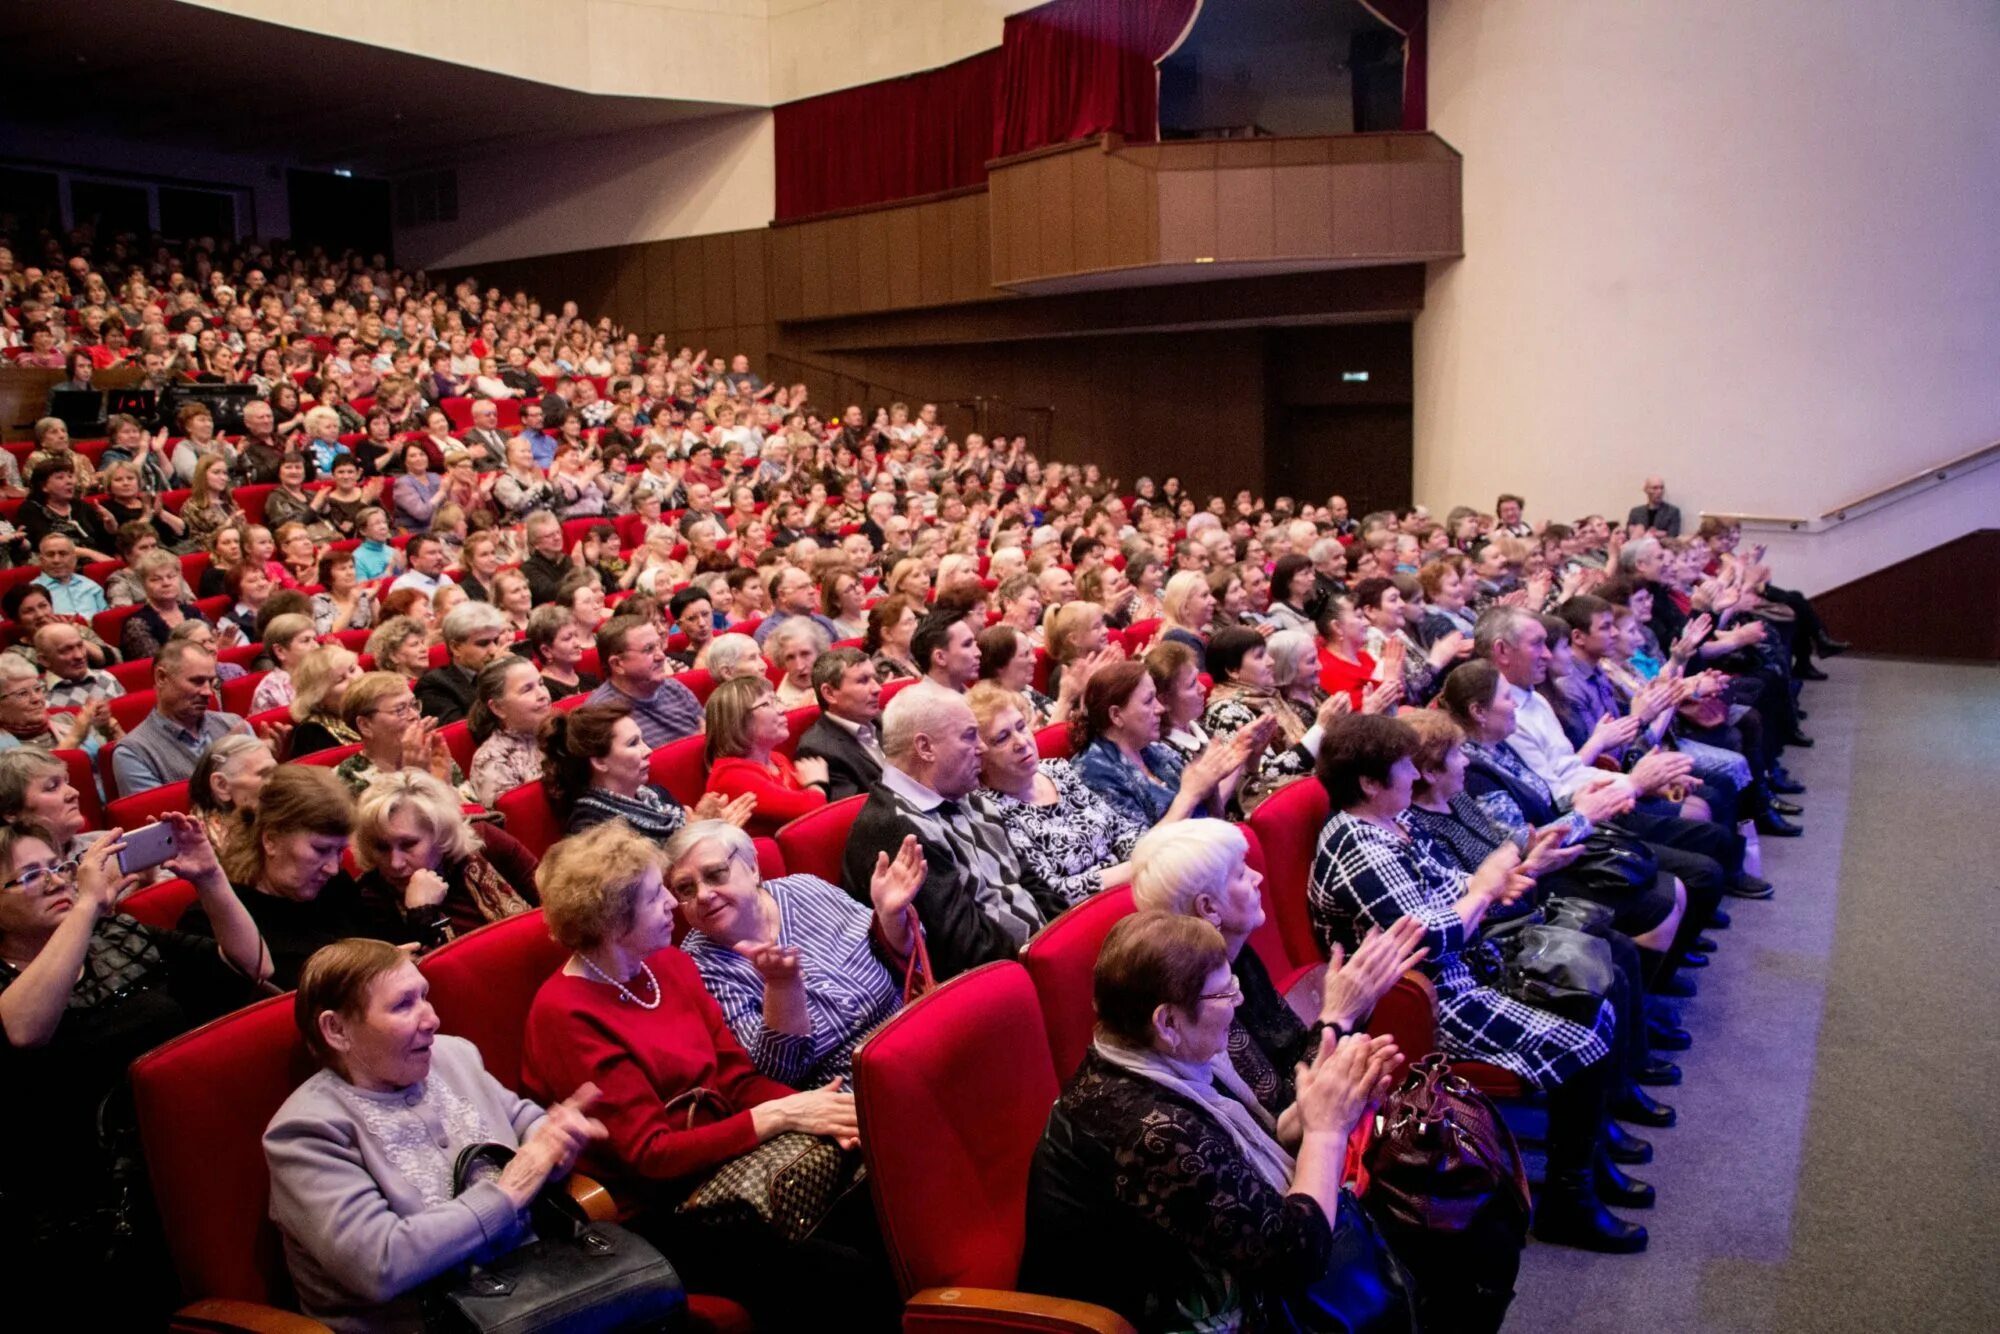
column 142, row 808
column 159, row 906
column 530, row 818
column 699, row 681
column 813, row 844
column 681, row 767
column 483, row 982
column 1287, row 827
column 84, row 779
column 237, row 694
column 953, row 1094
column 1053, row 742
column 1061, row 959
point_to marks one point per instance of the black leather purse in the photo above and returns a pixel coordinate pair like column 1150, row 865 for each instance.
column 577, row 1277
column 1365, row 1289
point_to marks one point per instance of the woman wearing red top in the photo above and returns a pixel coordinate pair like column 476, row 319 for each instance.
column 745, row 727
column 1344, row 664
column 678, row 1094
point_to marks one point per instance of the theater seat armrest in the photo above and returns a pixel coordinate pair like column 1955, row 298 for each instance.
column 214, row 1315
column 595, row 1199
column 964, row 1310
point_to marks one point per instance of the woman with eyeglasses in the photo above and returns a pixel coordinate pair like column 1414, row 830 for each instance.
column 83, row 990
column 394, row 734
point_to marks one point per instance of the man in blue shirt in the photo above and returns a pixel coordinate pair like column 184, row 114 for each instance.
column 539, row 439
column 634, row 657
column 69, row 592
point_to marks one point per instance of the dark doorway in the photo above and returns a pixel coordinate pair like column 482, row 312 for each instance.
column 340, row 212
column 29, row 202
column 110, row 209
column 186, row 214
column 1360, row 451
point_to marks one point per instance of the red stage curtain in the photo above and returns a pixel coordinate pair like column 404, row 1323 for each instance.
column 889, row 140
column 1411, row 18
column 1076, row 68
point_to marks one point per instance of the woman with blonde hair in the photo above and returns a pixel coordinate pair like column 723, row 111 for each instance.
column 422, row 860
column 1185, row 611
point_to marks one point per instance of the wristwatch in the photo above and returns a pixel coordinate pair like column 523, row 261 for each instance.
column 1321, row 1027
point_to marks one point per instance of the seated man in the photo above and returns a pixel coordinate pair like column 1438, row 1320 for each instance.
column 547, row 564
column 1656, row 515
column 163, row 749
column 793, row 593
column 972, row 905
column 633, row 655
column 850, row 704
column 25, row 719
column 946, row 647
column 73, row 683
column 475, row 633
column 28, row 606
column 427, row 558
column 70, row 593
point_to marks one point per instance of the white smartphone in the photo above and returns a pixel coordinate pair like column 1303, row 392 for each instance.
column 145, row 848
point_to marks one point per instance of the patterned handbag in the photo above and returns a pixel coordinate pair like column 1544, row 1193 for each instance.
column 790, row 1182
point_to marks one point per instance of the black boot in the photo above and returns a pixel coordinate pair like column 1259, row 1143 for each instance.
column 1773, row 825
column 1805, row 671
column 1625, row 1147
column 1641, row 1110
column 1781, row 782
column 1615, row 1188
column 1786, row 808
column 1658, row 1073
column 1570, row 1214
column 1829, row 647
column 1667, row 1037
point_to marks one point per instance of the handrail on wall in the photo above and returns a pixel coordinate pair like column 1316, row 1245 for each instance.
column 986, row 410
column 1915, row 484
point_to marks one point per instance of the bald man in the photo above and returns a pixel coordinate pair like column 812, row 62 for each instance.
column 1656, row 515
column 973, row 907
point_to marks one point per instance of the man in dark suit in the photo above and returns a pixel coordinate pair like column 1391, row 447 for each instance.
column 844, row 735
column 475, row 633
column 485, row 441
column 547, row 564
column 1656, row 515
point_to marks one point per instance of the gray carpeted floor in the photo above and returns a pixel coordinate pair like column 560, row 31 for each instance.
column 1832, row 1171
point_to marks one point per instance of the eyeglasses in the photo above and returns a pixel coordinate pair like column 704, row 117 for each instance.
column 35, row 880
column 715, row 877
column 36, row 690
column 1233, row 995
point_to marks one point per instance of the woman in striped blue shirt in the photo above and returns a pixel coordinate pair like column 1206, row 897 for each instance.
column 802, row 972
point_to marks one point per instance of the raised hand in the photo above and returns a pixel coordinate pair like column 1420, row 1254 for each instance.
column 1382, row 696
column 1546, row 853
column 1602, row 802
column 1501, row 878
column 894, row 884
column 100, row 885
column 811, row 769
column 1339, row 1085
column 715, row 806
column 778, row 965
column 1354, row 985
column 1336, row 705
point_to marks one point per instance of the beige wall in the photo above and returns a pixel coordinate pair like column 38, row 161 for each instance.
column 1749, row 246
column 685, row 179
column 740, row 52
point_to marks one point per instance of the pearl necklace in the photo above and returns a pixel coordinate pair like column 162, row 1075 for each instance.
column 625, row 992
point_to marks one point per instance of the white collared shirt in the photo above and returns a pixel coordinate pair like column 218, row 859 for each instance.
column 1540, row 742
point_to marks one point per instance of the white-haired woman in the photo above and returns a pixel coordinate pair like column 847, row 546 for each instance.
column 793, row 648
column 802, row 971
column 734, row 655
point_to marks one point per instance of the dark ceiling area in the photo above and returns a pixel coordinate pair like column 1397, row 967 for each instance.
column 163, row 72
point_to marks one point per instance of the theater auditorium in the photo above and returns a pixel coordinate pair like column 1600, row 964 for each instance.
column 1094, row 666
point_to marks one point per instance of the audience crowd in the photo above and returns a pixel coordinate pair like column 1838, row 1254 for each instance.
column 455, row 548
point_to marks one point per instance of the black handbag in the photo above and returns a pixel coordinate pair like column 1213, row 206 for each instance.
column 577, row 1277
column 789, row 1183
column 1566, row 970
column 1365, row 1289
column 1613, row 865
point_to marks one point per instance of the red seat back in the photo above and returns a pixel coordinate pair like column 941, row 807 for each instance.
column 134, row 675
column 529, row 817
column 798, row 720
column 1288, row 826
column 237, row 694
column 681, row 767
column 142, row 808
column 203, row 1101
column 159, row 906
column 458, row 740
column 953, row 1094
column 1053, row 742
column 483, row 982
column 1267, row 940
column 1061, row 960
column 699, row 681
column 131, row 708
column 252, row 498
column 84, row 780
column 110, row 624
column 813, row 843
column 327, row 759
column 897, row 687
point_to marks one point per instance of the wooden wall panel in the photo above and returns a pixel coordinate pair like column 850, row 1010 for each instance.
column 787, row 295
column 1244, row 219
column 971, row 264
column 690, row 286
column 1090, row 206
column 1301, row 210
column 872, row 267
column 750, row 252
column 1187, row 215
column 905, row 238
column 934, row 255
column 1132, row 230
column 1361, row 224
column 813, row 279
column 718, row 279
column 1943, row 603
column 844, row 290
column 1056, row 212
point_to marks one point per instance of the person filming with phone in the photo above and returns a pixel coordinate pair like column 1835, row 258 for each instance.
column 84, row 990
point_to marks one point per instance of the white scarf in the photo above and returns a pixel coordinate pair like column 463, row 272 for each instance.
column 1233, row 1105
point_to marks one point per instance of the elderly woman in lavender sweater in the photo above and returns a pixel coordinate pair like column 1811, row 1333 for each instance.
column 361, row 1155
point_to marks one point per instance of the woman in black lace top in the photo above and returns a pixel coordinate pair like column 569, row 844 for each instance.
column 1163, row 1187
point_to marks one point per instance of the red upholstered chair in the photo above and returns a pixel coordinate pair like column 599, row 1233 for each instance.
column 813, row 843
column 109, row 625
column 1053, row 742
column 18, row 574
column 327, row 759
column 84, row 780
column 1288, row 826
column 458, row 740
column 131, row 708
column 159, row 906
column 134, row 675
column 142, row 808
column 1139, row 635
column 953, row 1094
column 252, row 498
column 1268, row 940
column 530, row 818
column 699, row 681
column 257, row 720
column 1060, row 960
column 896, row 687
column 237, row 694
column 483, row 982
column 797, row 721
column 681, row 767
